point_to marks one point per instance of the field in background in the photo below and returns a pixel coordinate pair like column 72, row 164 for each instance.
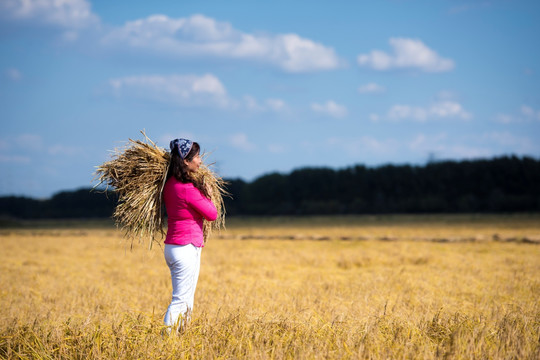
column 345, row 287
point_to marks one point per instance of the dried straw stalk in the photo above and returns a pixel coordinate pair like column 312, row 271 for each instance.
column 138, row 173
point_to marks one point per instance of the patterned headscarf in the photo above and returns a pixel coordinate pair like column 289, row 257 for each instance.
column 183, row 146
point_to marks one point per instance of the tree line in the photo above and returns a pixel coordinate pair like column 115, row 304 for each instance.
column 503, row 184
column 77, row 204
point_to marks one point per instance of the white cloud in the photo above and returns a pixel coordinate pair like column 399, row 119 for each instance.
column 184, row 90
column 373, row 145
column 14, row 159
column 13, row 74
column 446, row 95
column 530, row 113
column 252, row 104
column 200, row 36
column 431, row 143
column 26, row 142
column 449, row 109
column 364, row 145
column 32, row 142
column 442, row 109
column 276, row 104
column 467, row 151
column 298, row 55
column 505, row 119
column 276, row 148
column 70, row 36
column 371, row 88
column 33, row 147
column 516, row 144
column 190, row 91
column 525, row 114
column 65, row 150
column 240, row 141
column 63, row 13
column 487, row 144
column 408, row 54
column 23, row 143
column 330, row 108
column 398, row 112
column 438, row 146
column 195, row 36
column 527, row 110
column 469, row 6
column 374, row 117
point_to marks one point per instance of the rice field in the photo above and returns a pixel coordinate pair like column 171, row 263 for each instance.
column 358, row 287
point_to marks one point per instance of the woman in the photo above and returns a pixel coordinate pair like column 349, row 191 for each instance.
column 187, row 202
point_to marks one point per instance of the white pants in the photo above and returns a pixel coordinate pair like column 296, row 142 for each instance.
column 184, row 261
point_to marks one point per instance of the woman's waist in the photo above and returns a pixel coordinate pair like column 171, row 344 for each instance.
column 184, row 221
column 184, row 224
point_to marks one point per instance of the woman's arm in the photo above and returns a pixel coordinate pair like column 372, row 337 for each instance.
column 201, row 203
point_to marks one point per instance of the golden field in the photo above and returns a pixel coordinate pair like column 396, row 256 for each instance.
column 358, row 287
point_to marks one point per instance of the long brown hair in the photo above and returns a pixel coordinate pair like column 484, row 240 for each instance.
column 179, row 170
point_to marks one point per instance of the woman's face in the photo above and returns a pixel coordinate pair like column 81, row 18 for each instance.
column 193, row 164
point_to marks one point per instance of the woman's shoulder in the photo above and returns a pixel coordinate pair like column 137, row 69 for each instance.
column 190, row 187
column 173, row 183
column 191, row 190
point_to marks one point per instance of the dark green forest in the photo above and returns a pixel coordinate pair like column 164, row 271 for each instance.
column 503, row 184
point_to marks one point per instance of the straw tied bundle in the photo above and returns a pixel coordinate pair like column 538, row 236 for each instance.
column 138, row 174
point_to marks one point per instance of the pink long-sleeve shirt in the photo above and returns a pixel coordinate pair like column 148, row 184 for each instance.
column 186, row 207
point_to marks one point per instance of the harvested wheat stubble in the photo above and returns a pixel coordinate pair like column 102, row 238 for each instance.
column 137, row 173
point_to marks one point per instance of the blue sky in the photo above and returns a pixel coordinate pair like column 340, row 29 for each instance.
column 264, row 86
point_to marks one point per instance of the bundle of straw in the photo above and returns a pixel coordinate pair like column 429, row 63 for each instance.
column 138, row 173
